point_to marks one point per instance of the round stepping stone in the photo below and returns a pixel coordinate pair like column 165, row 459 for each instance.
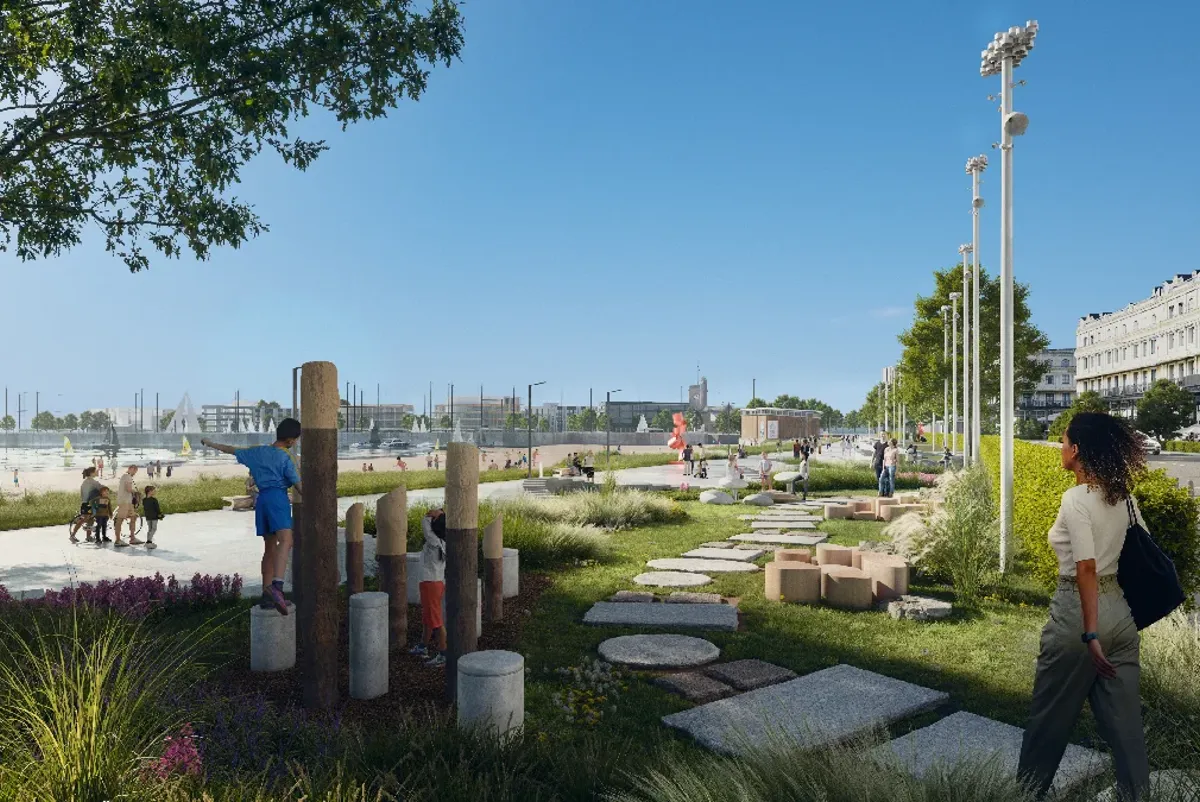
column 671, row 579
column 701, row 565
column 659, row 651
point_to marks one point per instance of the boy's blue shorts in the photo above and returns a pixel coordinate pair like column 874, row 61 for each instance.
column 272, row 512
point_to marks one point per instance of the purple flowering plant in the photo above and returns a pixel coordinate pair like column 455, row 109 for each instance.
column 139, row 596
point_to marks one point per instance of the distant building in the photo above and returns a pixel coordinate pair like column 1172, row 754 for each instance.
column 626, row 414
column 387, row 416
column 764, row 424
column 1055, row 392
column 558, row 414
column 698, row 395
column 467, row 411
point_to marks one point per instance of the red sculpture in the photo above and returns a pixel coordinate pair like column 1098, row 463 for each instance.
column 677, row 440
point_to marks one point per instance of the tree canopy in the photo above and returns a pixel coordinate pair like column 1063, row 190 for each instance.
column 1087, row 401
column 137, row 116
column 1165, row 409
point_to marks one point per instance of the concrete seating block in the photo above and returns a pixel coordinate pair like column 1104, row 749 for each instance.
column 845, row 587
column 836, row 511
column 795, row 555
column 820, row 709
column 909, row 498
column 239, row 503
column 855, row 558
column 865, row 515
column 884, row 501
column 864, row 506
column 512, row 573
column 272, row 639
column 832, row 554
column 894, row 511
column 750, row 675
column 368, row 645
column 889, row 575
column 491, row 692
column 793, row 581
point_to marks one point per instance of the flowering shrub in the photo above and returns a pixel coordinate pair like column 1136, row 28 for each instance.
column 591, row 686
column 179, row 757
column 139, row 596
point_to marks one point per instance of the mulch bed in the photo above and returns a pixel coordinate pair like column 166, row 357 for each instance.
column 412, row 687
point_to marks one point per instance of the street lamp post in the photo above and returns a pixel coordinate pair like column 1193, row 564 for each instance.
column 954, row 296
column 968, row 450
column 1003, row 54
column 529, row 419
column 945, row 378
column 975, row 166
column 607, row 425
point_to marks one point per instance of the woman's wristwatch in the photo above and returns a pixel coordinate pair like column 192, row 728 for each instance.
column 1088, row 637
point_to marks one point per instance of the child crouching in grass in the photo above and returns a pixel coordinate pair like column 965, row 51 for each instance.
column 433, row 589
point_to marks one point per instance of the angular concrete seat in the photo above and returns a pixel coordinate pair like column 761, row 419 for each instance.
column 864, row 506
column 884, row 501
column 845, row 587
column 894, row 511
column 793, row 555
column 793, row 581
column 865, row 515
column 833, row 554
column 835, row 511
column 889, row 574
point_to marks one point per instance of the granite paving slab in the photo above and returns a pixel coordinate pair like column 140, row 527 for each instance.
column 718, row 566
column 782, row 525
column 716, row 544
column 744, row 555
column 671, row 579
column 966, row 736
column 810, row 519
column 693, row 597
column 632, row 596
column 781, row 540
column 659, row 651
column 819, row 709
column 695, row 687
column 750, row 675
column 668, row 616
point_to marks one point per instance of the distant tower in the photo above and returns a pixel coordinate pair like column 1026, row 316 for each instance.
column 698, row 395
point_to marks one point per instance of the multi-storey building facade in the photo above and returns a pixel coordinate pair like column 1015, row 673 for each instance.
column 1056, row 391
column 1120, row 354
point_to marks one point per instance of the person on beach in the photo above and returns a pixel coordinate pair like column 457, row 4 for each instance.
column 432, row 588
column 153, row 514
column 274, row 472
column 127, row 503
column 88, row 491
column 102, row 510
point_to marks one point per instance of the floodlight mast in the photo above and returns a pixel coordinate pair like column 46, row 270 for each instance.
column 1003, row 54
column 975, row 167
column 968, row 453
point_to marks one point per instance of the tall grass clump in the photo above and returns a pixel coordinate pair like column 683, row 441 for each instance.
column 1170, row 687
column 844, row 774
column 86, row 705
column 959, row 542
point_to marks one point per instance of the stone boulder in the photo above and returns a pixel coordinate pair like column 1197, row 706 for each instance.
column 715, row 497
column 759, row 499
column 918, row 608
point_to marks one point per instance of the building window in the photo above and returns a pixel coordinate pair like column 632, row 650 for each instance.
column 1191, row 335
column 1066, row 363
column 1171, row 341
column 1171, row 311
column 1050, row 379
column 1153, row 343
column 1153, row 374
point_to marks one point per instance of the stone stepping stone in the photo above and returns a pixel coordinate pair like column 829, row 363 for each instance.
column 642, row 596
column 782, row 525
column 695, row 687
column 716, row 544
column 789, row 517
column 718, row 566
column 659, row 651
column 750, row 675
column 671, row 579
column 692, row 597
column 1176, row 784
column 781, row 540
column 744, row 555
column 816, row 710
column 721, row 617
column 966, row 736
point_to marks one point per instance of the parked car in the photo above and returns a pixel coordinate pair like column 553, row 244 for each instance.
column 1150, row 445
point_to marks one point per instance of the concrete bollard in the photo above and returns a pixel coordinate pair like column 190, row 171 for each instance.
column 494, row 575
column 272, row 639
column 512, row 573
column 413, row 589
column 391, row 545
column 368, row 645
column 491, row 692
column 462, row 557
column 354, row 548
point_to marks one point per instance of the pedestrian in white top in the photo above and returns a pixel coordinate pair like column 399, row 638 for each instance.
column 764, row 473
column 1089, row 647
column 804, row 475
column 432, row 588
column 127, row 507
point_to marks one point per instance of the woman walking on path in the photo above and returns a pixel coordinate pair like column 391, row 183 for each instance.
column 1089, row 648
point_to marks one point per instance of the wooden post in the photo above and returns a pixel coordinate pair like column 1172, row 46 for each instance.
column 354, row 548
column 462, row 556
column 318, row 579
column 493, row 569
column 391, row 547
column 297, row 518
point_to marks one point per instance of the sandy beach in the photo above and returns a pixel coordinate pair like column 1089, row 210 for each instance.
column 68, row 479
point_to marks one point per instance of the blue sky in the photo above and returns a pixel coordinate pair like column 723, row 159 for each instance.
column 628, row 188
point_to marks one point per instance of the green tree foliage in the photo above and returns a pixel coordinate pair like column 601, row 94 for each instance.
column 70, row 422
column 543, row 423
column 728, row 420
column 1165, row 409
column 755, row 403
column 44, row 421
column 601, row 422
column 407, row 421
column 694, row 419
column 515, row 420
column 1087, row 401
column 164, row 423
column 101, row 422
column 8, row 423
column 445, row 422
column 137, row 116
column 871, row 413
column 923, row 367
column 588, row 420
column 663, row 420
column 1029, row 429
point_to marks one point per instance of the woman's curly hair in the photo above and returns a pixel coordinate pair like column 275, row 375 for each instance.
column 1109, row 451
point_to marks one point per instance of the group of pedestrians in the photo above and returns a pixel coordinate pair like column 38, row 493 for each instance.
column 96, row 509
column 885, row 458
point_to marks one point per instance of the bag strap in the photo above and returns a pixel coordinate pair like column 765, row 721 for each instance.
column 1129, row 506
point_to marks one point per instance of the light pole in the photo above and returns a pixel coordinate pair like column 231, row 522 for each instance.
column 607, row 424
column 1004, row 53
column 975, row 166
column 529, row 419
column 887, row 376
column 954, row 296
column 945, row 378
column 968, row 450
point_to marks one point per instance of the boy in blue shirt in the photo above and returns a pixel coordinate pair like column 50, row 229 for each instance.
column 274, row 472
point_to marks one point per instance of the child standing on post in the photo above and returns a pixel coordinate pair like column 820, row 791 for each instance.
column 153, row 514
column 433, row 589
column 274, row 472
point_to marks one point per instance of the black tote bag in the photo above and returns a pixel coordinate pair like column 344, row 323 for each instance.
column 1146, row 575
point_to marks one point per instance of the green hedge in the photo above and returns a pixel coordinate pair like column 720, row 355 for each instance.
column 1039, row 482
column 1182, row 445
